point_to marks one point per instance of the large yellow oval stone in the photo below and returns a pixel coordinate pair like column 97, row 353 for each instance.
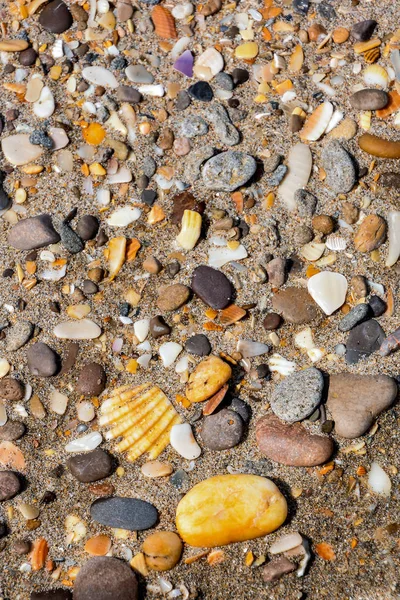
column 230, row 508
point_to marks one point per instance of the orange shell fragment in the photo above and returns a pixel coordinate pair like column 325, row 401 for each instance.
column 392, row 106
column 164, row 22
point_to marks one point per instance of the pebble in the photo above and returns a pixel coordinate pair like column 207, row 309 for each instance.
column 87, row 227
column 241, row 407
column 346, row 130
column 42, row 360
column 9, row 485
column 240, row 76
column 230, row 508
column 291, row 445
column 183, row 441
column 55, row 17
column 22, row 547
column 228, row 170
column 55, row 594
column 11, row 389
column 83, row 329
column 323, row 223
column 198, row 345
column 202, row 91
column 363, row 30
column 371, row 234
column 222, row 430
column 18, row 151
column 358, row 313
column 172, row 297
column 377, row 305
column 124, row 513
column 11, row 431
column 369, row 99
column 193, row 126
column 33, row 232
column 363, row 340
column 303, row 235
column 181, row 146
column 158, row 327
column 91, row 380
column 359, row 287
column 104, row 578
column 296, row 305
column 272, row 163
column 182, row 101
column 276, row 269
column 272, row 321
column 301, row 6
column 18, row 335
column 224, row 129
column 306, row 203
column 126, row 93
column 212, row 286
column 390, row 180
column 339, row 168
column 162, row 550
column 89, row 287
column 139, row 74
column 278, row 567
column 91, row 466
column 277, row 176
column 207, row 379
column 326, row 11
column 69, row 239
column 354, row 401
column 27, row 57
column 182, row 202
column 223, row 81
column 5, row 201
column 298, row 395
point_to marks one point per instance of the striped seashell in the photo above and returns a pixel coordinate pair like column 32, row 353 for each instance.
column 279, row 364
column 164, row 22
column 317, row 122
column 335, row 243
column 392, row 106
column 365, row 120
column 142, row 416
column 371, row 56
column 376, row 75
column 231, row 314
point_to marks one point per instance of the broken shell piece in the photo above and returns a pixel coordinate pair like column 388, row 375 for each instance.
column 312, row 251
column 141, row 329
column 281, row 365
column 182, row 440
column 336, row 243
column 169, row 352
column 304, row 339
column 164, row 22
column 378, row 480
column 248, row 348
column 376, row 75
column 328, row 290
column 191, row 229
column 393, row 220
column 208, row 64
column 142, row 416
column 44, row 107
column 299, row 170
column 152, row 90
column 218, row 257
column 85, row 443
column 116, row 255
column 75, row 528
column 124, row 216
column 285, row 543
column 317, row 122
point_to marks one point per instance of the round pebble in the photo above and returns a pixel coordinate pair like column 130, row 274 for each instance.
column 9, row 485
column 272, row 321
column 228, row 171
column 104, row 578
column 212, row 286
column 12, row 430
column 42, row 360
column 162, row 550
column 198, row 345
column 298, row 395
column 124, row 513
column 222, row 430
column 92, row 380
column 11, row 389
column 172, row 297
column 87, row 227
column 91, row 466
column 55, row 17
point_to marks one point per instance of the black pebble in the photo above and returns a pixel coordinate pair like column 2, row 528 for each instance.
column 198, row 345
column 148, row 197
column 378, row 306
column 87, row 227
column 158, row 327
column 240, row 76
column 201, row 90
column 241, row 408
column 363, row 340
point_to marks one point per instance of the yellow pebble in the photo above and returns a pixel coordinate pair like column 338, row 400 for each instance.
column 20, row 196
column 120, row 471
column 247, row 50
column 97, row 169
column 55, row 72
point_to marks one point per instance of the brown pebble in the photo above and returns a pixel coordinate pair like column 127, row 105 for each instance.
column 359, row 287
column 11, row 389
column 323, row 223
column 350, row 212
column 162, row 550
column 315, row 31
column 172, row 297
column 340, row 35
column 166, row 139
column 22, row 547
column 152, row 265
column 96, row 274
column 272, row 321
column 91, row 380
column 278, row 567
column 371, row 234
column 102, row 489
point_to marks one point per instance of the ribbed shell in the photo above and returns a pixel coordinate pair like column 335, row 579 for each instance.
column 164, row 22
column 142, row 416
column 392, row 106
column 317, row 122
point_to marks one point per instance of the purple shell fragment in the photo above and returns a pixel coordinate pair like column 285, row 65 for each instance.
column 184, row 64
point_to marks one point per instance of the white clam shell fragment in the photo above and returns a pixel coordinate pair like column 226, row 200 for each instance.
column 281, row 365
column 18, row 150
column 152, row 90
column 304, row 339
column 4, row 367
column 336, row 243
column 335, row 120
column 299, row 170
column 84, row 329
column 312, row 251
column 44, row 107
column 86, row 443
column 141, row 329
column 169, row 352
column 218, row 257
column 208, row 64
column 393, row 220
column 100, row 76
column 124, row 216
column 182, row 440
column 328, row 290
column 285, row 543
column 248, row 348
column 378, row 480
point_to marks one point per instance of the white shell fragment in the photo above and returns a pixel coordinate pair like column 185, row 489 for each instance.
column 141, row 329
column 336, row 243
column 317, row 122
column 4, row 367
column 248, row 348
column 281, row 365
column 58, row 402
column 328, row 290
column 169, row 352
column 299, row 170
column 285, row 543
column 218, row 257
column 86, row 443
column 393, row 220
column 18, row 150
column 44, row 107
column 208, row 64
column 375, row 75
column 304, row 339
column 85, row 329
column 312, row 251
column 182, row 440
column 124, row 216
column 100, row 76
column 378, row 480
column 152, row 90
column 3, row 413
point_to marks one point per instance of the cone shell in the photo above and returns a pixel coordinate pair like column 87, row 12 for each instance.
column 392, row 106
column 317, row 122
column 164, row 22
column 142, row 417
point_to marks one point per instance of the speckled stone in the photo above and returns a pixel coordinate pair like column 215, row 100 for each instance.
column 306, row 203
column 298, row 395
column 9, row 485
column 92, row 380
column 91, row 466
column 193, row 126
column 172, row 297
column 12, row 430
column 369, row 99
column 339, row 168
column 222, row 430
column 224, row 129
column 124, row 513
column 106, row 578
column 11, row 389
column 295, row 305
column 228, row 171
column 18, row 335
column 357, row 314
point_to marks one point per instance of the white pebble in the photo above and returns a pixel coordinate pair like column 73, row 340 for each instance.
column 378, row 480
column 141, row 329
column 86, row 443
column 85, row 411
column 100, row 76
column 152, row 90
column 44, row 107
column 182, row 10
column 85, row 329
column 169, row 352
column 182, row 440
column 58, row 402
column 124, row 216
column 4, row 367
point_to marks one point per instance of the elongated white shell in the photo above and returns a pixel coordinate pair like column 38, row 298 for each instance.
column 285, row 543
column 336, row 243
column 393, row 220
column 299, row 170
column 335, row 120
column 44, row 107
column 281, row 365
column 85, row 329
column 182, row 440
column 86, row 443
column 100, row 76
column 218, row 257
column 169, row 352
column 378, row 480
column 124, row 216
column 328, row 290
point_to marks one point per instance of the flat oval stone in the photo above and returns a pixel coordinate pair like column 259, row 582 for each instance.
column 124, row 513
column 18, row 150
column 42, row 360
column 11, row 431
column 83, row 329
column 138, row 74
column 91, row 466
column 369, row 99
column 105, row 578
column 55, row 17
column 298, row 395
column 173, row 297
column 92, row 380
column 363, row 340
column 230, row 508
column 34, row 232
column 9, row 485
column 212, row 286
column 18, row 335
column 339, row 167
column 198, row 345
column 354, row 401
column 126, row 93
column 222, row 430
column 58, row 594
column 228, row 170
column 291, row 445
column 295, row 305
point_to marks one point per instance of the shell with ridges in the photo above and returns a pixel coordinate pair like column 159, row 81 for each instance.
column 317, row 122
column 376, row 75
column 392, row 106
column 336, row 243
column 164, row 22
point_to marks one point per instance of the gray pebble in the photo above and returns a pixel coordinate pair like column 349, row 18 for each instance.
column 34, row 232
column 340, row 349
column 124, row 513
column 195, row 162
column 225, row 130
column 126, row 93
column 306, row 203
column 228, row 171
column 369, row 99
column 5, row 201
column 198, row 345
column 42, row 360
column 357, row 314
column 223, row 81
column 69, row 239
column 149, row 166
column 272, row 163
column 277, row 176
column 18, row 335
column 11, row 431
column 276, row 269
column 241, row 408
column 183, row 101
column 326, row 11
column 363, row 340
column 339, row 167
column 193, row 126
column 297, row 396
column 106, row 578
column 222, row 430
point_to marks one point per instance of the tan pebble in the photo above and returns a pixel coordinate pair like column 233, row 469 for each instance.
column 98, row 545
column 162, row 550
column 350, row 212
column 323, row 223
column 358, row 285
column 208, row 377
column 156, row 468
column 102, row 489
column 166, row 139
column 303, row 36
column 36, row 407
column 13, row 45
column 181, row 146
column 172, row 297
column 346, row 130
column 78, row 311
column 96, row 274
column 247, row 51
column 371, row 234
column 28, row 511
column 315, row 31
column 152, row 265
column 340, row 35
